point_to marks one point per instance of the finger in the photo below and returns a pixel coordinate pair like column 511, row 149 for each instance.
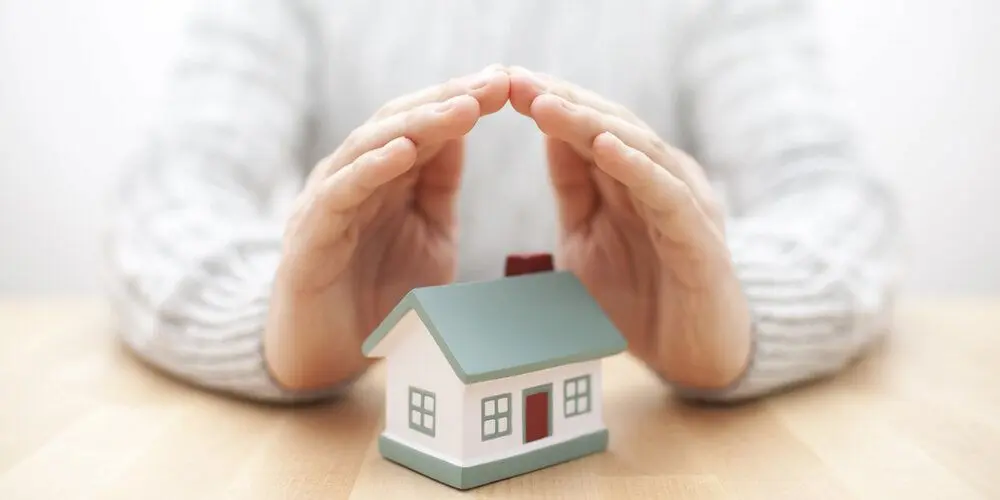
column 673, row 208
column 526, row 86
column 580, row 125
column 490, row 87
column 426, row 125
column 437, row 188
column 352, row 185
column 575, row 192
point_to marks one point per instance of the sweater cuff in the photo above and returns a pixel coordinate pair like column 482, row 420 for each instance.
column 802, row 325
column 209, row 330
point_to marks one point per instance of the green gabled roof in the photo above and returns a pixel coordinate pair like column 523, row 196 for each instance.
column 510, row 326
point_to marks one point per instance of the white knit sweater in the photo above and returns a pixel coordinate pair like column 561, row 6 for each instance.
column 265, row 88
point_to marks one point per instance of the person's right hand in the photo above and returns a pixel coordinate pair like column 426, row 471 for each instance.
column 375, row 220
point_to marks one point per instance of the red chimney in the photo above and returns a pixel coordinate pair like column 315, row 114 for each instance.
column 527, row 263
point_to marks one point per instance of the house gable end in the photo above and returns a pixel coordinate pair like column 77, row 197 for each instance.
column 380, row 343
column 423, row 396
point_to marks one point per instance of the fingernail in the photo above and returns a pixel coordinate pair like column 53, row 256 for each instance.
column 536, row 83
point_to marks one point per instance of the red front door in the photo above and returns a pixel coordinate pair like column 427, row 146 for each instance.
column 536, row 416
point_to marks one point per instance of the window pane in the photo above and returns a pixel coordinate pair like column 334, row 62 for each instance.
column 428, row 421
column 490, row 427
column 429, row 403
column 582, row 385
column 415, row 399
column 415, row 417
column 502, row 404
column 490, row 408
column 570, row 406
column 571, row 389
column 502, row 424
column 582, row 404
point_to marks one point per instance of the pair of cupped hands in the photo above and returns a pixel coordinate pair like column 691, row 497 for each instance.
column 639, row 226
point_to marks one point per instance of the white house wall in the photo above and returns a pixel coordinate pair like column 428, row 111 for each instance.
column 477, row 451
column 416, row 360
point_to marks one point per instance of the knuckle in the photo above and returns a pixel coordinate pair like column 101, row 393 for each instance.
column 359, row 140
column 569, row 93
column 655, row 143
column 401, row 125
column 351, row 170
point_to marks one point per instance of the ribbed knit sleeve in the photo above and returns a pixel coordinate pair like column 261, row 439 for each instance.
column 195, row 243
column 813, row 233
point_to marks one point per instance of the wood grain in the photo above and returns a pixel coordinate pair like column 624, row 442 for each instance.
column 917, row 418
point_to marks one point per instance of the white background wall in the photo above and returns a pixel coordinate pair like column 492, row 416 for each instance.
column 79, row 79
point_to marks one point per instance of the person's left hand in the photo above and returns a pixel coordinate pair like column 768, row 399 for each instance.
column 641, row 228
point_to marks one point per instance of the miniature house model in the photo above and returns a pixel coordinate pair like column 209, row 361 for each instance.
column 489, row 380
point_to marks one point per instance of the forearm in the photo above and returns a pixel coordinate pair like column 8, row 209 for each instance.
column 812, row 234
column 199, row 317
column 195, row 242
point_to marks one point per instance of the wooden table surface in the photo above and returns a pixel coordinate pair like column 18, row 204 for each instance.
column 919, row 418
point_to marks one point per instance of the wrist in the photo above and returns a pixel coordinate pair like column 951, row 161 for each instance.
column 705, row 339
column 307, row 344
